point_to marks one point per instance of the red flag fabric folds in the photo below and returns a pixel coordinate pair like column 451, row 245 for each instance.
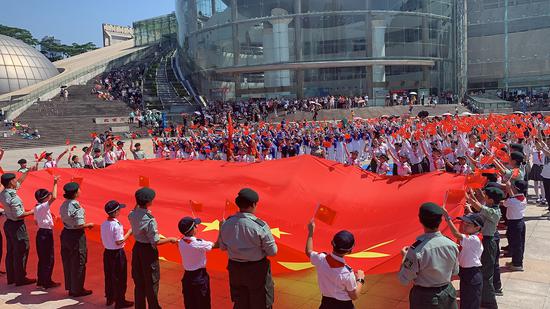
column 381, row 211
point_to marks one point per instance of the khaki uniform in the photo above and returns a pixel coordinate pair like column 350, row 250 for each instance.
column 248, row 241
column 145, row 258
column 17, row 238
column 430, row 263
column 74, row 251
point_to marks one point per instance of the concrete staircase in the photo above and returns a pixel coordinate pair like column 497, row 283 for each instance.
column 368, row 112
column 57, row 120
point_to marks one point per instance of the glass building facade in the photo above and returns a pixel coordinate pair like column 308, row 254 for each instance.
column 154, row 30
column 21, row 65
column 301, row 48
column 508, row 45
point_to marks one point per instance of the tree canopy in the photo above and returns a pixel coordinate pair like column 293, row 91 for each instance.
column 52, row 48
column 20, row 34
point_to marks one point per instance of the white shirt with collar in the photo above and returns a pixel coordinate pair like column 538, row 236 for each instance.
column 472, row 248
column 50, row 164
column 515, row 207
column 43, row 216
column 335, row 278
column 193, row 252
column 111, row 232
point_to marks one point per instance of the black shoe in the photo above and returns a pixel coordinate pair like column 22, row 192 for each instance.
column 109, row 302
column 81, row 293
column 25, row 281
column 51, row 285
column 499, row 292
column 125, row 304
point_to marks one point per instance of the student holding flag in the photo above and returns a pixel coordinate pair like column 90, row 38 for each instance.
column 338, row 284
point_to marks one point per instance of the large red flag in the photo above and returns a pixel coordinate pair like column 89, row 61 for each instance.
column 382, row 211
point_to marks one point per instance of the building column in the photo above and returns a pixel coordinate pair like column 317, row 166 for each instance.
column 298, row 49
column 378, row 51
column 281, row 48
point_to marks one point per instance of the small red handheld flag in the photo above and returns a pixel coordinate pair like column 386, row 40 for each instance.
column 475, row 181
column 195, row 206
column 78, row 180
column 1, row 171
column 67, row 142
column 455, row 197
column 143, row 181
column 325, row 214
column 230, row 207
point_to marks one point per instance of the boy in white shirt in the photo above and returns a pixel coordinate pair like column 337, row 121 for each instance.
column 515, row 232
column 114, row 257
column 195, row 282
column 44, row 235
column 338, row 284
column 469, row 259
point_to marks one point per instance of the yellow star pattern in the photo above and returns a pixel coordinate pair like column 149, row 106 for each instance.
column 277, row 232
column 211, row 226
column 365, row 254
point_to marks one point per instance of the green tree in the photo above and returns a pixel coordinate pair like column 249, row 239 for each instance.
column 54, row 50
column 18, row 33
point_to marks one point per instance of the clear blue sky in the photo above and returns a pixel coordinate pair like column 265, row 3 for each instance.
column 78, row 20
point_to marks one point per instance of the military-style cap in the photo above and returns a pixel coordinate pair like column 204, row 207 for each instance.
column 41, row 194
column 186, row 224
column 517, row 147
column 474, row 218
column 343, row 241
column 145, row 195
column 48, row 154
column 495, row 194
column 517, row 156
column 85, row 148
column 137, row 144
column 71, row 187
column 430, row 210
column 113, row 206
column 7, row 177
column 248, row 195
column 21, row 161
column 521, row 186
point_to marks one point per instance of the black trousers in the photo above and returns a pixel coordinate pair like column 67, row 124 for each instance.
column 17, row 245
column 146, row 275
column 436, row 298
column 74, row 255
column 488, row 298
column 46, row 257
column 516, row 240
column 250, row 284
column 471, row 284
column 333, row 303
column 416, row 168
column 115, row 268
column 195, row 286
column 497, row 284
column 546, row 184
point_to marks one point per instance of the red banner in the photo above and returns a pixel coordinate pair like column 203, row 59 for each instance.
column 382, row 211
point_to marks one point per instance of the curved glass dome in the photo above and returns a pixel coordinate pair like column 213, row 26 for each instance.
column 21, row 65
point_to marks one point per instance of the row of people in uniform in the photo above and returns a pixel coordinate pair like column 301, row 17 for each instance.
column 476, row 260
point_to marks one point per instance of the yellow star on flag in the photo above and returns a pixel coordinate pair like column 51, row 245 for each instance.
column 277, row 232
column 211, row 226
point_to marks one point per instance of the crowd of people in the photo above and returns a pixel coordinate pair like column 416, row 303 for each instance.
column 498, row 154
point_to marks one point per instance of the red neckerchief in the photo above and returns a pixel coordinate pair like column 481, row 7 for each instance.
column 187, row 241
column 520, row 197
column 334, row 263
